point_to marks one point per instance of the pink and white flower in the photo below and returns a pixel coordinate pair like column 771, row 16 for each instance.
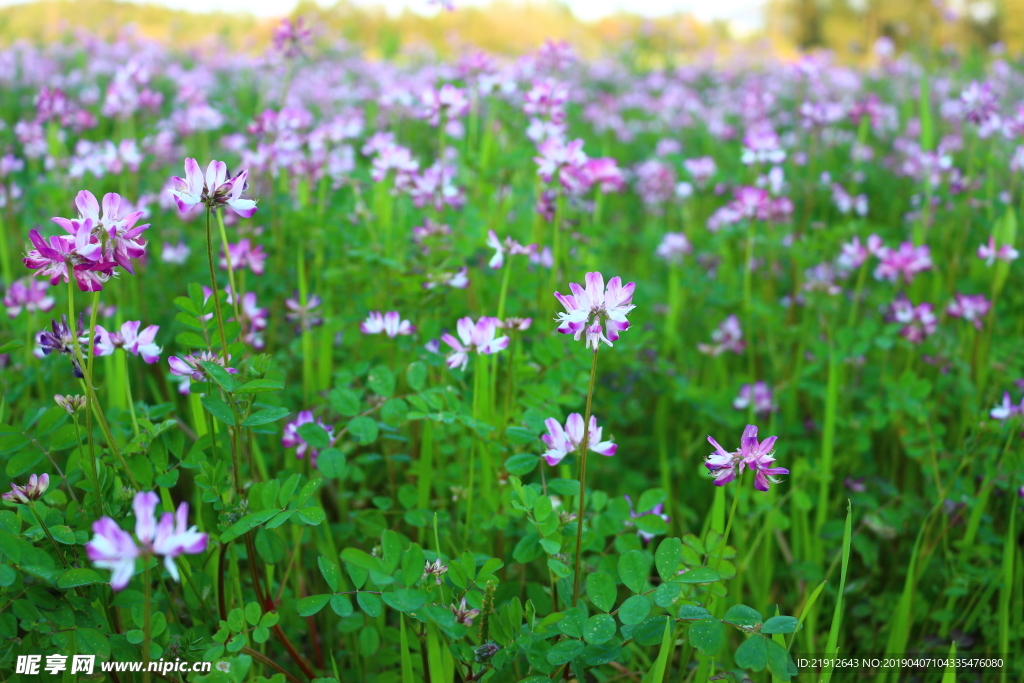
column 478, row 337
column 561, row 442
column 389, row 323
column 586, row 310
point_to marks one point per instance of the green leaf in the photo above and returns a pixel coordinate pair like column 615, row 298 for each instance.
column 635, row 609
column 416, row 375
column 315, row 435
column 363, row 560
column 699, row 575
column 743, row 616
column 521, row 464
column 381, row 381
column 260, row 386
column 331, row 463
column 370, row 603
column 752, row 653
column 311, row 604
column 247, row 523
column 634, row 567
column 265, row 416
column 779, row 661
column 363, row 429
column 651, row 524
column 344, row 401
column 650, row 498
column 11, row 345
column 330, row 571
column 599, row 628
column 219, row 409
column 668, row 557
column 780, row 625
column 520, row 435
column 394, row 412
column 78, row 577
column 707, row 635
column 599, row 654
column 341, row 605
column 689, row 612
column 253, row 613
column 565, row 651
column 405, row 599
column 601, row 590
column 236, row 620
column 220, row 375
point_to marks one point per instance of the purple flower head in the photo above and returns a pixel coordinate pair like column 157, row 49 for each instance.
column 509, row 246
column 215, row 190
column 758, row 456
column 113, row 548
column 290, row 37
column 759, row 394
column 130, row 339
column 478, row 337
column 61, row 256
column 561, row 442
column 245, row 255
column 292, row 439
column 189, row 366
column 905, row 262
column 27, row 294
column 463, row 614
column 306, row 317
column 919, row 322
column 71, row 404
column 32, row 491
column 989, row 253
column 587, row 309
column 674, row 245
column 58, row 339
column 1006, row 409
column 389, row 323
column 728, row 336
column 110, row 231
column 970, row 307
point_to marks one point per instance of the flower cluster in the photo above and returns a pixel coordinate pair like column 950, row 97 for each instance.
column 561, row 442
column 113, row 548
column 757, row 456
column 587, row 309
column 478, row 337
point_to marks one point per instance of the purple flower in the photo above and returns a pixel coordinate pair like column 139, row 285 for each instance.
column 758, row 393
column 28, row 294
column 586, row 310
column 289, row 37
column 189, row 366
column 509, row 246
column 33, row 490
column 175, row 253
column 753, row 455
column 989, row 253
column 728, row 336
column 54, row 256
column 113, row 548
column 919, row 322
column 463, row 614
column 389, row 323
column 292, row 439
column 117, row 237
column 905, row 262
column 970, row 307
column 562, row 442
column 1006, row 409
column 307, row 316
column 476, row 337
column 58, row 339
column 245, row 255
column 130, row 339
column 674, row 245
column 214, row 191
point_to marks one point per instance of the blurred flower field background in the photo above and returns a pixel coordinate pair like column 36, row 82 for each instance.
column 502, row 346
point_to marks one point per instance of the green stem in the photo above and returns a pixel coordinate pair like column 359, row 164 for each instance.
column 583, row 482
column 235, row 294
column 128, row 393
column 46, row 531
column 90, row 394
column 147, row 610
column 213, row 283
